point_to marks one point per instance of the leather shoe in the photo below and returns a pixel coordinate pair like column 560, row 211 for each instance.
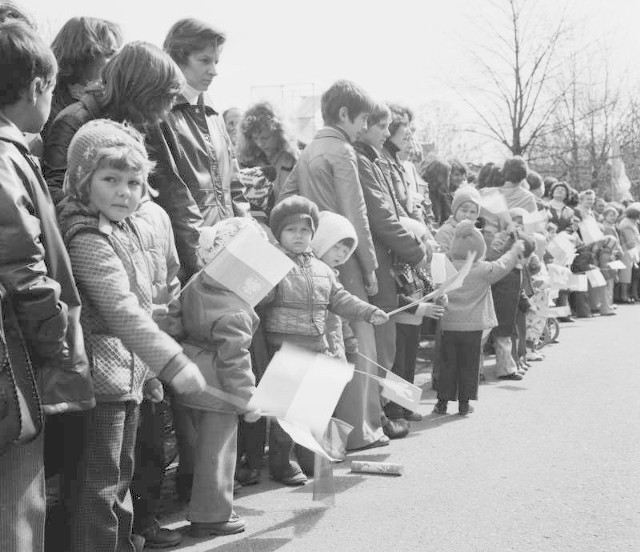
column 395, row 429
column 515, row 377
column 161, row 537
column 292, row 475
column 465, row 408
column 231, row 527
column 247, row 476
column 412, row 416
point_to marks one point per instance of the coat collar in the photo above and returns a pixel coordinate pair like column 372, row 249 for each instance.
column 203, row 101
column 368, row 151
column 11, row 133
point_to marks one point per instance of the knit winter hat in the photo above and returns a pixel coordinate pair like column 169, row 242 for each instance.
column 97, row 140
column 214, row 238
column 610, row 209
column 633, row 210
column 333, row 228
column 292, row 209
column 467, row 238
column 462, row 195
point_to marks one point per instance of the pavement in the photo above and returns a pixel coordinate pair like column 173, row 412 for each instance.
column 551, row 463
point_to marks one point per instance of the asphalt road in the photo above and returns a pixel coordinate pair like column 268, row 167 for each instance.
column 550, row 463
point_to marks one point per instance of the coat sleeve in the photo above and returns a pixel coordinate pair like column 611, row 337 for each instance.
column 104, row 282
column 347, row 305
column 174, row 196
column 231, row 336
column 23, row 272
column 174, row 303
column 56, row 145
column 290, row 186
column 500, row 268
column 383, row 219
column 351, row 204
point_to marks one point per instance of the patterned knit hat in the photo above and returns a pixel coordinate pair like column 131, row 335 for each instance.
column 292, row 209
column 215, row 238
column 89, row 146
column 462, row 195
column 332, row 229
column 467, row 238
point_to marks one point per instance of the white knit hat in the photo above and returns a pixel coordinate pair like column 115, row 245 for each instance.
column 332, row 228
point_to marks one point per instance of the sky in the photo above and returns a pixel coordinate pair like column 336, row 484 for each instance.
column 405, row 50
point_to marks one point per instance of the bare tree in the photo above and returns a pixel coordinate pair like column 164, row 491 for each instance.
column 518, row 55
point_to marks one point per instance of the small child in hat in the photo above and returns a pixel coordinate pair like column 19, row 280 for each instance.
column 219, row 327
column 297, row 309
column 469, row 311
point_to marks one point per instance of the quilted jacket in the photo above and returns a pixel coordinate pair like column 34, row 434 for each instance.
column 113, row 276
column 299, row 304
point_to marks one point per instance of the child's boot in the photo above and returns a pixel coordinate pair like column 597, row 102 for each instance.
column 282, row 467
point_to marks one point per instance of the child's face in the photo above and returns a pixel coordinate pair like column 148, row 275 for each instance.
column 336, row 256
column 296, row 237
column 200, row 67
column 610, row 217
column 456, row 178
column 517, row 222
column 376, row 135
column 355, row 128
column 267, row 141
column 115, row 193
column 467, row 211
column 551, row 231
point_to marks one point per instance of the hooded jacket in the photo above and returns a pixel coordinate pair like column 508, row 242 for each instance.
column 36, row 273
column 113, row 276
column 219, row 329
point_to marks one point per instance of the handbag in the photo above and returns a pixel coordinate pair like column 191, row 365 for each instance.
column 21, row 418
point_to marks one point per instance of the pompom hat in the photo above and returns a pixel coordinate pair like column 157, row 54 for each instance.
column 332, row 229
column 83, row 155
column 291, row 209
column 467, row 238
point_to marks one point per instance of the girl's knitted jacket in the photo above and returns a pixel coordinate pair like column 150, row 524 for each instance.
column 113, row 277
column 471, row 307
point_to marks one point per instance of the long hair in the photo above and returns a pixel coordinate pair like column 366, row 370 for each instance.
column 436, row 174
column 257, row 118
column 140, row 83
column 191, row 35
column 80, row 43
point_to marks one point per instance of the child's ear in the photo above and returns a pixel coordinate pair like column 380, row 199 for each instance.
column 35, row 89
column 343, row 114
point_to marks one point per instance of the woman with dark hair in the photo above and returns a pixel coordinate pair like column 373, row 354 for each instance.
column 437, row 174
column 264, row 140
column 82, row 47
column 139, row 85
column 196, row 173
column 561, row 213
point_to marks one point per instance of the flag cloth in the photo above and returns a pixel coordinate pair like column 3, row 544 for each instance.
column 562, row 250
column 620, row 183
column 595, row 277
column 617, row 265
column 400, row 391
column 578, row 282
column 590, row 231
column 249, row 266
column 558, row 276
column 301, row 389
column 494, row 202
column 535, row 222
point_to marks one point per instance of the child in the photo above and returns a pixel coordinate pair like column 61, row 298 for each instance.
column 333, row 243
column 298, row 307
column 327, row 174
column 35, row 273
column 106, row 180
column 219, row 327
column 470, row 311
column 464, row 206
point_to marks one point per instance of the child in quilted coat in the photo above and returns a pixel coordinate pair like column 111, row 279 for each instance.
column 105, row 182
column 297, row 309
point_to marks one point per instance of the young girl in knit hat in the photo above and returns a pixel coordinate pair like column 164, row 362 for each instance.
column 219, row 327
column 106, row 180
column 469, row 312
column 464, row 206
column 297, row 309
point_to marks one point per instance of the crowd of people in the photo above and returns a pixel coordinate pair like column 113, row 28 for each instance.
column 120, row 181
